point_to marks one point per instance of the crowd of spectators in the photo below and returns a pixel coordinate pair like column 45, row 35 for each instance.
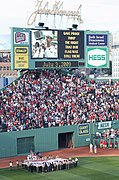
column 51, row 98
column 108, row 133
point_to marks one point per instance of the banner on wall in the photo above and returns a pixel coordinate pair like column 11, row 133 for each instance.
column 104, row 125
column 21, row 57
column 83, row 129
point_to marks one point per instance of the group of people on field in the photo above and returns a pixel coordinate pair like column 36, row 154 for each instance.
column 35, row 163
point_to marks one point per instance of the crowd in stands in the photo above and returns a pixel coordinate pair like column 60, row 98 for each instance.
column 108, row 138
column 51, row 98
column 108, row 133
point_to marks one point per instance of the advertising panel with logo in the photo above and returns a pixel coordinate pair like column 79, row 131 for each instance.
column 20, row 49
column 97, row 49
column 83, row 129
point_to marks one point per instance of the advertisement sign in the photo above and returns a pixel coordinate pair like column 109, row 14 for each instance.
column 96, row 57
column 104, row 125
column 21, row 57
column 83, row 129
column 96, row 39
column 21, row 38
column 97, row 49
column 49, row 10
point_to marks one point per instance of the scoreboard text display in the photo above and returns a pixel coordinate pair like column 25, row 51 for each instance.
column 71, row 44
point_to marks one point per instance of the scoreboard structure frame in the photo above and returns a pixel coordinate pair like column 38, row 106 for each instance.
column 71, row 48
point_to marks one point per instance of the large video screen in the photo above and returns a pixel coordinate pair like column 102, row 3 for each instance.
column 44, row 44
column 57, row 44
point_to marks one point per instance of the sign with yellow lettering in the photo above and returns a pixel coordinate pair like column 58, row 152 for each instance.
column 83, row 129
column 71, row 44
column 21, row 57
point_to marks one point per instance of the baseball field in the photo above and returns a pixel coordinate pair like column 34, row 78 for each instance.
column 89, row 168
column 104, row 165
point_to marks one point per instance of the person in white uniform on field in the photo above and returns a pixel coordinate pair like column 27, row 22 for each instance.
column 95, row 149
column 91, row 148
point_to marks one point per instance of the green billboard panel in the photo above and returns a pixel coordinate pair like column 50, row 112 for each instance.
column 97, row 49
column 20, row 48
column 97, row 57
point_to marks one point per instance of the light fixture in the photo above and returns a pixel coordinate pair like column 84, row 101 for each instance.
column 70, row 29
column 74, row 26
column 46, row 28
column 40, row 24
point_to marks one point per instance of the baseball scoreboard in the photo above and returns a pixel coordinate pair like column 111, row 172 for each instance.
column 51, row 48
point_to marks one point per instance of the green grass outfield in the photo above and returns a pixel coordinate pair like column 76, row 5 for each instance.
column 89, row 168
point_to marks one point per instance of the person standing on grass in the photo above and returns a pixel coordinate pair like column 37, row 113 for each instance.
column 76, row 161
column 17, row 164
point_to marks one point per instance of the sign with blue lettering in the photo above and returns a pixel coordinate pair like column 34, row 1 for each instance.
column 97, row 49
column 96, row 39
column 83, row 129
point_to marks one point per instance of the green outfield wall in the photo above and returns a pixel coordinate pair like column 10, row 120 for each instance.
column 18, row 143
